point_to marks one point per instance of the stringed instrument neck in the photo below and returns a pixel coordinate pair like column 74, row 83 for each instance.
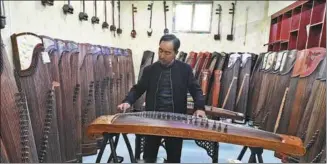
column 82, row 15
column 166, row 8
column 113, row 27
column 150, row 7
column 95, row 19
column 119, row 30
column 133, row 32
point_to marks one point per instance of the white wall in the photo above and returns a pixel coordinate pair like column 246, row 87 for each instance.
column 31, row 16
column 275, row 6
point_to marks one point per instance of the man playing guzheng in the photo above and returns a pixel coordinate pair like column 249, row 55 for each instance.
column 166, row 83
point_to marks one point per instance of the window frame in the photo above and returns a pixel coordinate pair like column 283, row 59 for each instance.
column 193, row 3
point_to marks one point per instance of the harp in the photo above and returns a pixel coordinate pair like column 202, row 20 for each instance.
column 190, row 127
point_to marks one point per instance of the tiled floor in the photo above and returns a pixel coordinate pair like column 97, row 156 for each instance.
column 191, row 153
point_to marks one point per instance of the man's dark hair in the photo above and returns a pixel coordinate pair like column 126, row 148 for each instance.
column 171, row 37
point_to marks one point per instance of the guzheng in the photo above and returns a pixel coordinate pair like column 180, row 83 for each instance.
column 217, row 112
column 191, row 127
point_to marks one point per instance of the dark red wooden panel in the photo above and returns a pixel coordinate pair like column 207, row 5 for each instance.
column 305, row 20
column 318, row 11
column 296, row 18
column 293, row 40
column 286, row 26
column 314, row 36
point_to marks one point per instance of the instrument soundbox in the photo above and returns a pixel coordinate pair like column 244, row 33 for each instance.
column 82, row 15
column 190, row 127
column 68, row 8
column 95, row 19
column 218, row 12
column 133, row 32
column 105, row 23
column 113, row 27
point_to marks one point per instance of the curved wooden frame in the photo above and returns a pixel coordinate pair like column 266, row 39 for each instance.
column 234, row 135
column 16, row 56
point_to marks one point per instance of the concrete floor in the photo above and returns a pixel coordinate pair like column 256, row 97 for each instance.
column 191, row 153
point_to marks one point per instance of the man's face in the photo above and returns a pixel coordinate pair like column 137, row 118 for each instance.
column 166, row 52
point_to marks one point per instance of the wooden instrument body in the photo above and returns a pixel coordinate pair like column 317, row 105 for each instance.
column 255, row 85
column 131, row 73
column 16, row 128
column 147, row 60
column 40, row 99
column 87, row 98
column 281, row 86
column 227, row 98
column 243, row 84
column 260, row 115
column 213, row 98
column 309, row 72
column 191, row 59
column 267, row 108
column 51, row 47
column 71, row 98
column 184, row 126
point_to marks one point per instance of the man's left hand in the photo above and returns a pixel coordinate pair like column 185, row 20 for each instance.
column 200, row 113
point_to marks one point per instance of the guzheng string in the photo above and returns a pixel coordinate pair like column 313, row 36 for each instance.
column 188, row 119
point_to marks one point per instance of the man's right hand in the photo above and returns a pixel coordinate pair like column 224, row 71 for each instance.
column 123, row 106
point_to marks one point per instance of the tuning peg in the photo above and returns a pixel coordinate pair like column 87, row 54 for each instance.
column 219, row 126
column 225, row 129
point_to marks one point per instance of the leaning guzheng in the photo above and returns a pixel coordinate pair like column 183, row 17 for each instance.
column 190, row 127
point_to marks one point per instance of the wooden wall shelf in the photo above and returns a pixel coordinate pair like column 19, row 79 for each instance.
column 299, row 26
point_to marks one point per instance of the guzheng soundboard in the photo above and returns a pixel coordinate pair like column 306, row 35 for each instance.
column 191, row 127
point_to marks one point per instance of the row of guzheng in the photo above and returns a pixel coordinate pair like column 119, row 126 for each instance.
column 191, row 127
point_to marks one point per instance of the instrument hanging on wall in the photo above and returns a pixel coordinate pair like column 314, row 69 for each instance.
column 232, row 11
column 68, row 8
column 82, row 15
column 150, row 7
column 218, row 12
column 95, row 19
column 113, row 27
column 105, row 23
column 246, row 24
column 134, row 10
column 166, row 8
column 119, row 30
column 47, row 2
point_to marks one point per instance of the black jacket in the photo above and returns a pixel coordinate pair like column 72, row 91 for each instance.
column 183, row 81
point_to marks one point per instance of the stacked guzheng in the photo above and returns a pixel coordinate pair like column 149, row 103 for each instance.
column 282, row 92
column 289, row 97
column 56, row 88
